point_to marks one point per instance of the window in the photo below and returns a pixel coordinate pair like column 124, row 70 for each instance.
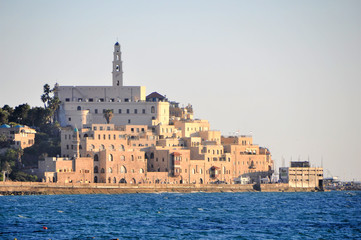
column 141, row 170
column 120, row 111
column 110, row 157
column 122, row 158
column 102, row 171
column 123, row 169
column 128, row 120
column 143, row 111
column 96, row 111
column 69, row 119
column 96, row 169
column 110, row 170
column 96, row 158
column 67, row 99
column 128, row 111
column 152, row 110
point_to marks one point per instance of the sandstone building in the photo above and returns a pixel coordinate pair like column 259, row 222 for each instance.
column 149, row 140
column 19, row 136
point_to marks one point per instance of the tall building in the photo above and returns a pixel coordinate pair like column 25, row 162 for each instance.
column 82, row 105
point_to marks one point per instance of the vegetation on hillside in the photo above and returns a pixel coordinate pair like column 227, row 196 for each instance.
column 47, row 139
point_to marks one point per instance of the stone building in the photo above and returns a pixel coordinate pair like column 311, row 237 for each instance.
column 149, row 140
column 19, row 136
column 302, row 175
column 81, row 105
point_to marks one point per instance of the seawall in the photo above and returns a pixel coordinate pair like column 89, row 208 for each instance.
column 36, row 188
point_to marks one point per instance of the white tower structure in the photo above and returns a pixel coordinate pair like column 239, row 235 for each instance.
column 117, row 66
column 81, row 105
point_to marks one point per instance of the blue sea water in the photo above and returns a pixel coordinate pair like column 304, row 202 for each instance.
column 322, row 215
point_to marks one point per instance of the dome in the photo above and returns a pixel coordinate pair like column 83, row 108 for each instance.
column 116, row 44
column 75, row 130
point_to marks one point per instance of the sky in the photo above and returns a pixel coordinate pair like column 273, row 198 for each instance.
column 286, row 72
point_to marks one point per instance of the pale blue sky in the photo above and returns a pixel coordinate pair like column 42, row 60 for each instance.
column 287, row 71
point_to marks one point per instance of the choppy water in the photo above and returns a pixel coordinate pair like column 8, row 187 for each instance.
column 329, row 215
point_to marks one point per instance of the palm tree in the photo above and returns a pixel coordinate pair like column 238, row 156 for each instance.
column 108, row 115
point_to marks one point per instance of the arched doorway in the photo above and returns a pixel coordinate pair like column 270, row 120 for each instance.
column 114, row 180
column 134, row 181
column 201, row 181
column 123, row 180
column 95, row 179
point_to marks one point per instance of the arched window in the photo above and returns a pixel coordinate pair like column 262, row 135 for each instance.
column 122, row 158
column 95, row 179
column 102, row 171
column 111, row 147
column 114, row 180
column 151, row 155
column 78, row 108
column 152, row 110
column 141, row 170
column 101, row 147
column 122, row 148
column 92, row 147
column 132, row 157
column 110, row 170
column 110, row 157
column 85, row 135
column 123, row 169
column 96, row 158
column 158, row 169
column 96, row 169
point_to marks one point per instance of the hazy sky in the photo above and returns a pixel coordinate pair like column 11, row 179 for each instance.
column 288, row 72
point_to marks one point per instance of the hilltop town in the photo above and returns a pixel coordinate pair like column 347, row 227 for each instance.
column 120, row 134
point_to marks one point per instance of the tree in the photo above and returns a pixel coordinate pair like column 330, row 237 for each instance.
column 4, row 116
column 45, row 98
column 20, row 114
column 9, row 109
column 108, row 115
column 51, row 103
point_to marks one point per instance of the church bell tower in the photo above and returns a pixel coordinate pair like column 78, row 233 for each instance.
column 117, row 66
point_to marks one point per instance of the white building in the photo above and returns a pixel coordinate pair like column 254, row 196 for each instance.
column 85, row 104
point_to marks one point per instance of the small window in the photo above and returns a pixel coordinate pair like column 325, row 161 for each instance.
column 143, row 111
column 78, row 108
column 128, row 120
column 69, row 119
column 96, row 111
column 67, row 99
column 120, row 111
column 128, row 111
column 135, row 111
column 91, row 100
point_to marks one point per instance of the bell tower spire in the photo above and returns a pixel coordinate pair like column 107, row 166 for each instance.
column 117, row 66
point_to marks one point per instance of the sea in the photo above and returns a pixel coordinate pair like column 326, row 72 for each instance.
column 254, row 215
